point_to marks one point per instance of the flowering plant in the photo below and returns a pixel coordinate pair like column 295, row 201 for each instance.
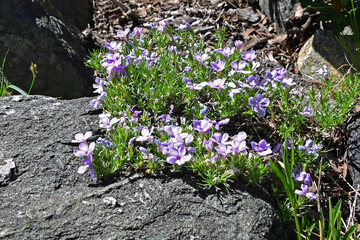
column 172, row 103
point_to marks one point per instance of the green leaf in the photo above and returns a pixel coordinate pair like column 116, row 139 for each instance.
column 19, row 90
column 282, row 177
column 350, row 232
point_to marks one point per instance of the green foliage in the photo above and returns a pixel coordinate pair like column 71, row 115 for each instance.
column 342, row 13
column 334, row 228
column 3, row 87
column 334, row 101
column 151, row 83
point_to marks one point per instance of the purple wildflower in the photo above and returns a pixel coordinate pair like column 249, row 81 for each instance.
column 123, row 33
column 113, row 46
column 238, row 44
column 218, row 65
column 172, row 49
column 227, row 52
column 135, row 115
column 188, row 25
column 201, row 58
column 80, row 137
column 163, row 24
column 222, row 122
column 88, row 164
column 178, row 156
column 220, row 138
column 262, row 148
column 96, row 102
column 241, row 136
column 308, row 112
column 288, row 82
column 239, row 67
column 104, row 142
column 310, row 148
column 145, row 135
column 305, row 192
column 178, row 141
column 137, row 31
column 238, row 147
column 85, row 150
column 202, row 126
column 148, row 155
column 249, row 55
column 303, row 177
column 208, row 145
column 257, row 103
column 254, row 81
column 173, row 131
column 200, row 85
column 278, row 76
column 187, row 69
column 189, row 83
column 151, row 25
column 213, row 159
column 105, row 121
column 204, row 110
column 306, row 178
column 223, row 150
column 99, row 85
column 323, row 71
column 217, row 84
column 167, row 117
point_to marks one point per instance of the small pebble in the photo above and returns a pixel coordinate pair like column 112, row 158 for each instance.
column 109, row 201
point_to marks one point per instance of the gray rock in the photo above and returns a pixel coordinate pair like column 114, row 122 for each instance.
column 321, row 49
column 352, row 153
column 48, row 199
column 244, row 14
column 352, row 157
column 47, row 33
column 7, row 171
column 278, row 11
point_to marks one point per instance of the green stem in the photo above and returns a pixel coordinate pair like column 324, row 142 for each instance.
column 32, row 83
column 297, row 224
column 2, row 86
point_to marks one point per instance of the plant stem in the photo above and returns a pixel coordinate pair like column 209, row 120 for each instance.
column 32, row 83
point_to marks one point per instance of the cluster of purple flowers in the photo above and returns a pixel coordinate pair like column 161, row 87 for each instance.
column 85, row 151
column 307, row 183
column 311, row 148
column 99, row 86
column 179, row 147
column 257, row 104
column 323, row 71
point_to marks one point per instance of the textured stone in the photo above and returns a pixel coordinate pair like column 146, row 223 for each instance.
column 7, row 170
column 48, row 199
column 47, row 33
column 352, row 153
column 278, row 11
column 244, row 14
column 352, row 156
column 321, row 49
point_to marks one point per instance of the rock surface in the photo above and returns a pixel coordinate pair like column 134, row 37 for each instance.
column 278, row 11
column 321, row 49
column 47, row 33
column 352, row 153
column 47, row 199
column 352, row 156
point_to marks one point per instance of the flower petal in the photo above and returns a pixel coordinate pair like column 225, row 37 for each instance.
column 82, row 169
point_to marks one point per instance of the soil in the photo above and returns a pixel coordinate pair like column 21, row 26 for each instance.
column 274, row 50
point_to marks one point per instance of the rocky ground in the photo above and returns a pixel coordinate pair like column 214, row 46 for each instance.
column 242, row 20
column 43, row 197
